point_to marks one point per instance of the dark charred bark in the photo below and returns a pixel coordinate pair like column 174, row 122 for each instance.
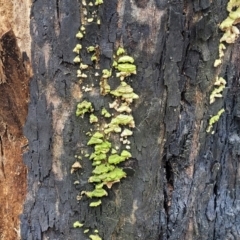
column 186, row 182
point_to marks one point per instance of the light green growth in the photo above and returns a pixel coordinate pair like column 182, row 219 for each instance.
column 82, row 28
column 114, row 63
column 231, row 32
column 95, row 139
column 83, row 66
column 93, row 118
column 126, row 132
column 83, row 108
column 98, row 2
column 232, row 4
column 103, row 168
column 217, row 92
column 99, row 186
column 217, row 62
column 115, row 158
column 106, row 73
column 86, row 231
column 126, row 154
column 121, row 119
column 220, row 81
column 95, row 204
column 79, row 35
column 104, row 147
column 104, row 86
column 125, row 91
column 124, row 108
column 120, row 51
column 94, row 58
column 115, row 175
column 127, row 67
column 230, row 36
column 96, row 193
column 235, row 14
column 96, row 163
column 90, row 20
column 113, row 151
column 214, row 119
column 77, row 59
column 105, row 113
column 77, row 224
column 220, row 49
column 126, row 59
column 228, row 22
column 91, row 49
column 98, row 157
column 86, row 155
column 77, row 48
column 95, row 237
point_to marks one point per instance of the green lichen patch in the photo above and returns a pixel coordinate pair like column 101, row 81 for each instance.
column 106, row 73
column 127, row 67
column 126, row 154
column 79, row 35
column 95, row 140
column 83, row 108
column 124, row 108
column 105, row 113
column 214, row 119
column 98, row 157
column 98, row 2
column 95, row 204
column 114, row 125
column 77, row 48
column 125, row 91
column 217, row 91
column 104, row 86
column 93, row 118
column 120, row 51
column 113, row 176
column 91, row 49
column 96, row 193
column 104, row 147
column 126, row 59
column 95, row 237
column 126, row 132
column 115, row 159
column 103, row 168
column 77, row 224
column 77, row 59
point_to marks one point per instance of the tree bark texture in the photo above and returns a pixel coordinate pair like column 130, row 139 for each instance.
column 185, row 183
column 15, row 72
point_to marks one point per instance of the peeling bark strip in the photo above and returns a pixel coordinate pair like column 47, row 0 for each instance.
column 186, row 183
column 13, row 112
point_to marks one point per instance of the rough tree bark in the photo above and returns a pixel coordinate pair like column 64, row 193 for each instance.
column 185, row 183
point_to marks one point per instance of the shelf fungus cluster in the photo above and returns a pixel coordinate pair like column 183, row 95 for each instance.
column 111, row 126
column 231, row 33
column 214, row 119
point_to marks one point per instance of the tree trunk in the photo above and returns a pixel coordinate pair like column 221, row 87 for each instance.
column 182, row 182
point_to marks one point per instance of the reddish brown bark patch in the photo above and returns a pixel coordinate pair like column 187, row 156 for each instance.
column 13, row 112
